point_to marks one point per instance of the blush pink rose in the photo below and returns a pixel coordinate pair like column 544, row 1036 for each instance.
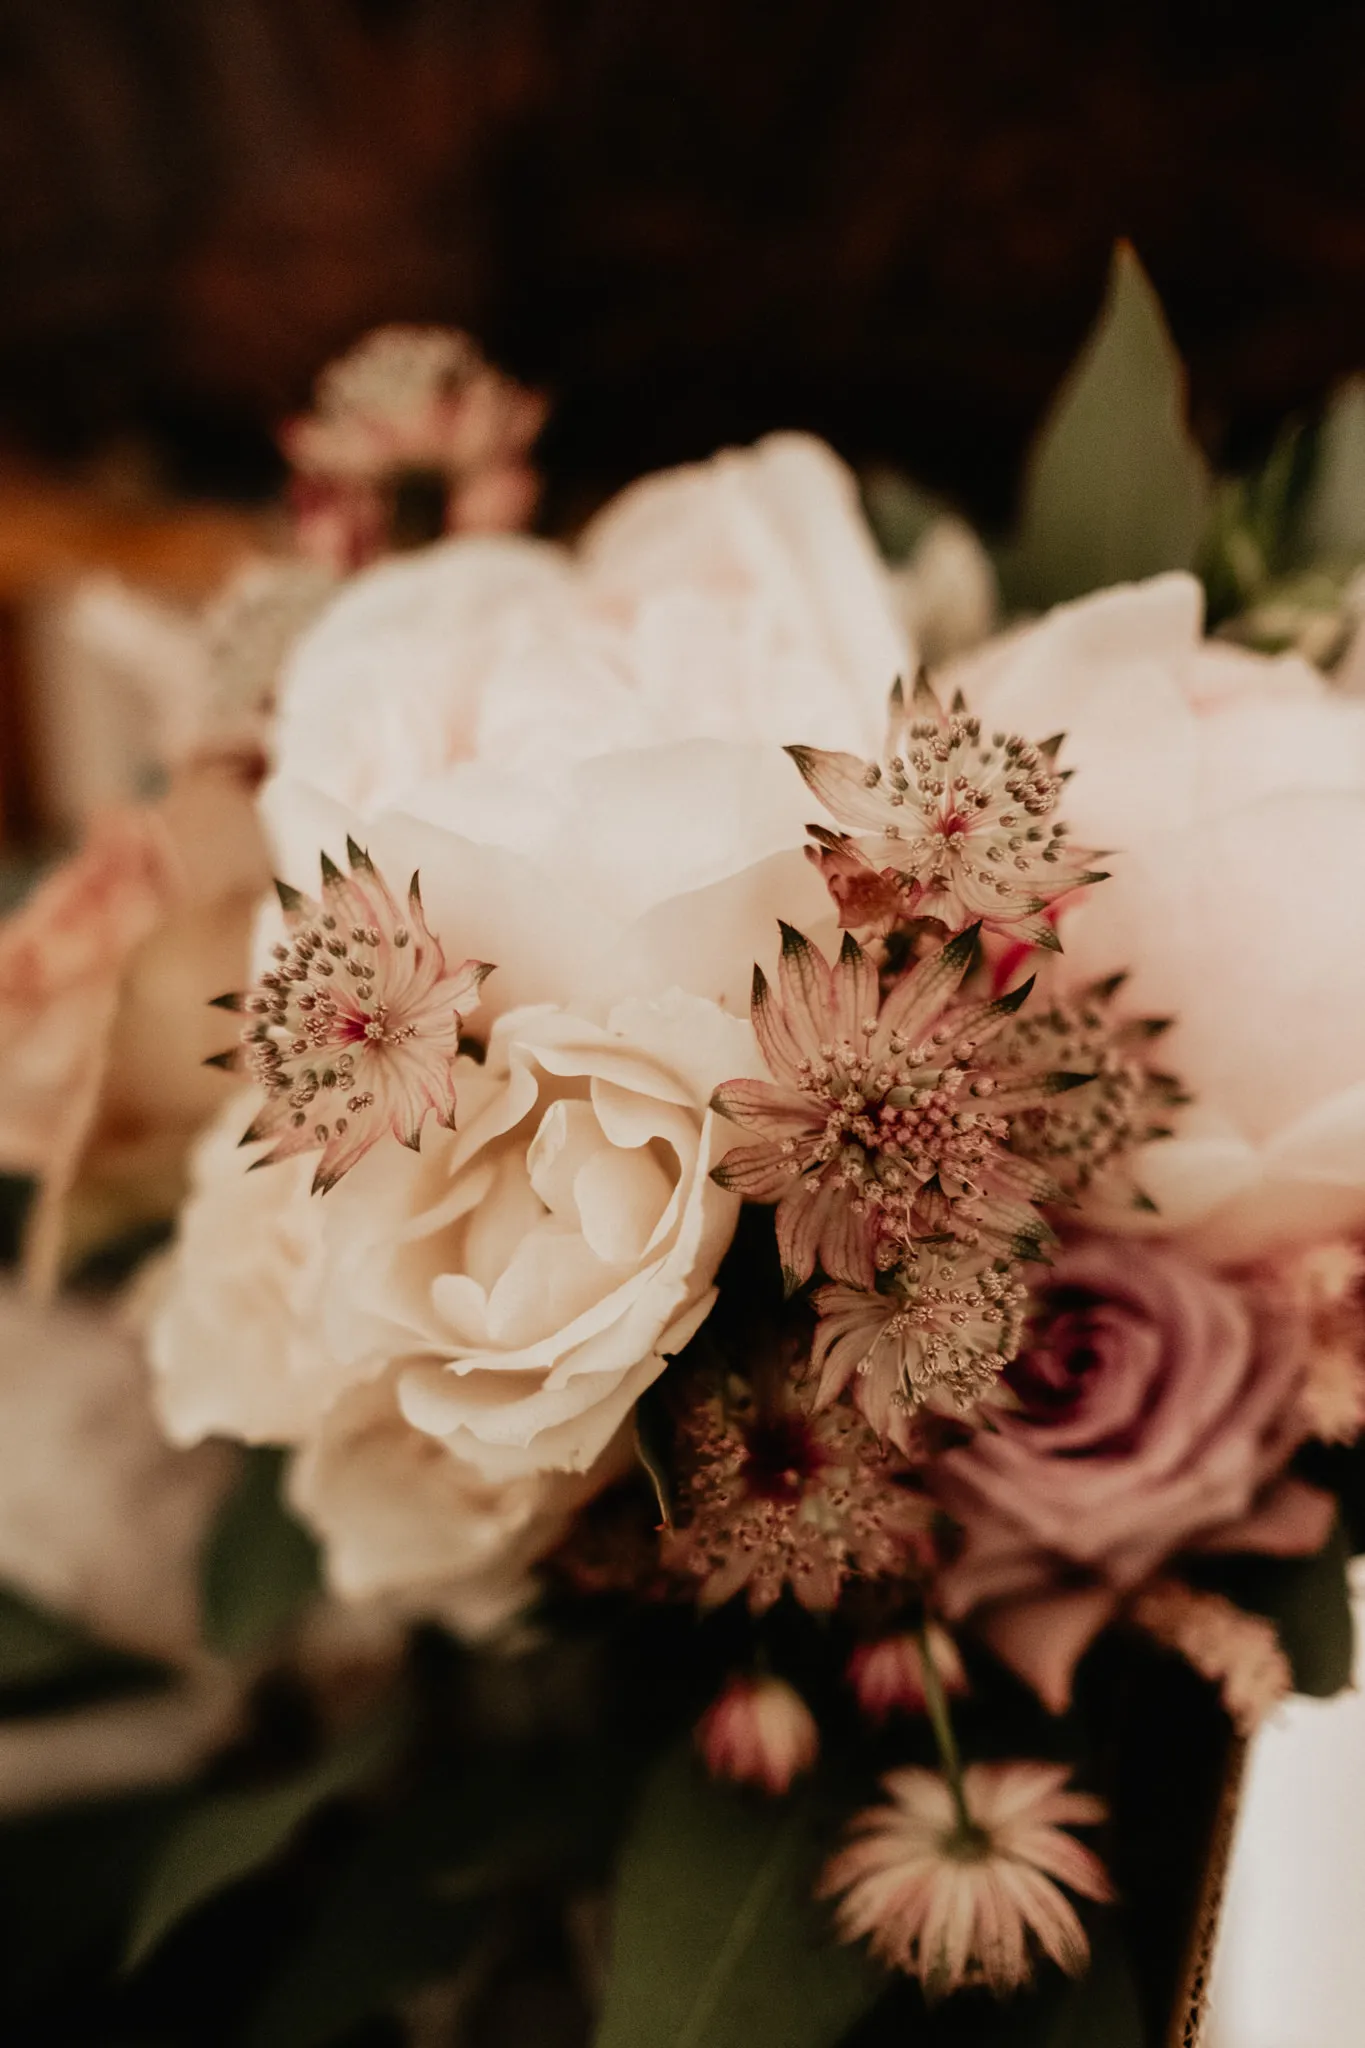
column 1154, row 1415
column 106, row 973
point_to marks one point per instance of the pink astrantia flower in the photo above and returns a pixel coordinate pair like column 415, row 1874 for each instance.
column 963, row 823
column 1240, row 1653
column 955, row 1905
column 410, row 405
column 1326, row 1284
column 888, row 1121
column 759, row 1732
column 888, row 1675
column 355, row 1029
column 773, row 1498
column 937, row 1333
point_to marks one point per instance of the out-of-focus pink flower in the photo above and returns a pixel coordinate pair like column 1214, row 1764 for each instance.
column 104, row 974
column 888, row 1122
column 1326, row 1283
column 759, row 1732
column 778, row 1498
column 1238, row 1652
column 888, row 1675
column 410, row 405
column 964, row 819
column 355, row 1030
column 1156, row 1409
column 954, row 1904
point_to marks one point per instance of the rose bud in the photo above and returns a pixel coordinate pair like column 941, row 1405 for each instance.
column 888, row 1675
column 759, row 1732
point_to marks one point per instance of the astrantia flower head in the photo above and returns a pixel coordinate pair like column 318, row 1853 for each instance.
column 1085, row 1136
column 354, row 1030
column 962, row 823
column 936, row 1332
column 415, row 411
column 890, row 1120
column 759, row 1732
column 954, row 1903
column 1238, row 1652
column 772, row 1497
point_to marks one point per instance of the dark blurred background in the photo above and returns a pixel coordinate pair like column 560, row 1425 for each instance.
column 690, row 223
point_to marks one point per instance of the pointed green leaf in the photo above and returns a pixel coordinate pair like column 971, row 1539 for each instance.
column 259, row 1565
column 717, row 1942
column 1333, row 525
column 226, row 1837
column 1115, row 488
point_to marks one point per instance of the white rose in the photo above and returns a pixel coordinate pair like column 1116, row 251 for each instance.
column 534, row 1270
column 1231, row 787
column 404, row 1521
column 236, row 1336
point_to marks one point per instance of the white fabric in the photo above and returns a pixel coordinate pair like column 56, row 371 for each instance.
column 1290, row 1965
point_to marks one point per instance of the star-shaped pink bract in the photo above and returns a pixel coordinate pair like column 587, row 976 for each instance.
column 354, row 1029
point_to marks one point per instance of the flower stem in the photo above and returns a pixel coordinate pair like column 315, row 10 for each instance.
column 941, row 1720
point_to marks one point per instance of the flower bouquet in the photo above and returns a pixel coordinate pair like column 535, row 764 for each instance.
column 756, row 1372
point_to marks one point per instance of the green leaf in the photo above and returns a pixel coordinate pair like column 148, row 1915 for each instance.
column 717, row 1943
column 36, row 1645
column 1115, row 488
column 899, row 512
column 259, row 1565
column 231, row 1834
column 1333, row 524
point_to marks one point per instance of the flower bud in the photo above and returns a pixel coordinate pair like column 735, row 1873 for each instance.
column 888, row 1676
column 759, row 1732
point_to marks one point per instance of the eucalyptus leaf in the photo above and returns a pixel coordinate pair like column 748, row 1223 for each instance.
column 716, row 1940
column 1333, row 523
column 260, row 1566
column 1115, row 488
column 227, row 1836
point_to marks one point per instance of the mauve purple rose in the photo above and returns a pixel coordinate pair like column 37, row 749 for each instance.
column 1156, row 1413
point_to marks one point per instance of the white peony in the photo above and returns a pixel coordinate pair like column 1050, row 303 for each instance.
column 1231, row 788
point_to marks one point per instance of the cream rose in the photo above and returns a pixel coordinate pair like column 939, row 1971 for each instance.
column 236, row 1333
column 533, row 1271
column 406, row 1522
column 455, row 1338
column 1231, row 788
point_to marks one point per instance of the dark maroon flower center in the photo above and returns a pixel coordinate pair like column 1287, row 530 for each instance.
column 781, row 1458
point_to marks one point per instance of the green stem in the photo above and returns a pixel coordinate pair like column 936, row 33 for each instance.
column 941, row 1720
